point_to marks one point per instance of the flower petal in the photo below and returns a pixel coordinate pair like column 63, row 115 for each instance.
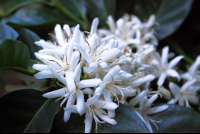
column 70, row 81
column 80, row 102
column 89, row 83
column 187, row 85
column 88, row 91
column 109, row 76
column 151, row 100
column 175, row 61
column 106, row 105
column 77, row 73
column 88, row 122
column 59, row 35
column 44, row 74
column 74, row 60
column 174, row 89
column 92, row 66
column 140, row 81
column 105, row 117
column 164, row 58
column 158, row 109
column 138, row 98
column 56, row 93
column 40, row 67
column 161, row 79
column 173, row 73
column 94, row 26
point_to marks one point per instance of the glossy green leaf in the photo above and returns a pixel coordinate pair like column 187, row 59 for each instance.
column 26, row 111
column 34, row 16
column 28, row 37
column 14, row 55
column 178, row 119
column 170, row 14
column 127, row 122
column 77, row 7
column 101, row 9
column 7, row 32
column 8, row 6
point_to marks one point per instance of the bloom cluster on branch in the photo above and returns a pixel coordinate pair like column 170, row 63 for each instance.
column 97, row 70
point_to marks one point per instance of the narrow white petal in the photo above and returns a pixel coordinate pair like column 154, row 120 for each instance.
column 88, row 122
column 77, row 35
column 106, row 105
column 175, row 61
column 151, row 21
column 120, row 23
column 138, row 98
column 151, row 100
column 194, row 66
column 173, row 73
column 129, row 92
column 70, row 81
column 172, row 101
column 72, row 109
column 109, row 76
column 94, row 26
column 104, row 65
column 92, row 100
column 186, row 76
column 149, row 126
column 44, row 74
column 67, row 115
column 108, row 55
column 187, row 85
column 83, row 53
column 80, row 102
column 158, row 109
column 40, row 67
column 59, row 35
column 88, row 91
column 105, row 117
column 56, row 93
column 74, row 60
column 174, row 89
column 107, row 96
column 89, row 83
column 69, row 52
column 67, row 30
column 161, row 79
column 164, row 59
column 51, row 52
column 77, row 73
column 111, row 114
column 140, row 81
column 92, row 66
column 61, row 78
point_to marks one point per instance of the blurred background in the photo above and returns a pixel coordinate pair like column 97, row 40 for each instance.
column 34, row 19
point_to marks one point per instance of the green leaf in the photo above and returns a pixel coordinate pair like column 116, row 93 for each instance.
column 8, row 6
column 170, row 14
column 14, row 55
column 127, row 122
column 178, row 119
column 28, row 37
column 78, row 7
column 34, row 16
column 7, row 32
column 26, row 111
column 101, row 9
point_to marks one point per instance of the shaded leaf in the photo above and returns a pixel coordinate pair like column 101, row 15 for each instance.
column 7, row 32
column 8, row 6
column 26, row 111
column 178, row 119
column 127, row 122
column 14, row 55
column 28, row 37
column 170, row 14
column 78, row 7
column 101, row 9
column 34, row 16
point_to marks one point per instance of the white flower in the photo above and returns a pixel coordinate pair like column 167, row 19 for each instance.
column 187, row 93
column 95, row 111
column 193, row 72
column 144, row 109
column 165, row 68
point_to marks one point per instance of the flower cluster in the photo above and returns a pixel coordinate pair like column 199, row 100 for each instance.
column 97, row 70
